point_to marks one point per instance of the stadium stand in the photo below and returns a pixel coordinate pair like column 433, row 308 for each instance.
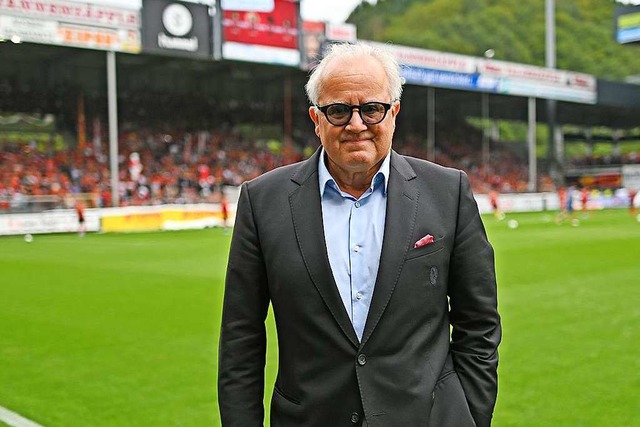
column 207, row 132
column 188, row 167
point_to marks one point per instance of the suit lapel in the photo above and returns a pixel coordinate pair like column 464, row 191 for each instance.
column 306, row 210
column 402, row 208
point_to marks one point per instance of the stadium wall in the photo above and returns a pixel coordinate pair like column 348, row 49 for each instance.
column 125, row 219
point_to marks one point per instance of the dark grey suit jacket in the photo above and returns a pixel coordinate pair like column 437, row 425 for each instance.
column 408, row 370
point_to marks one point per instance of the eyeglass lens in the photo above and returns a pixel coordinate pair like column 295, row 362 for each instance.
column 370, row 113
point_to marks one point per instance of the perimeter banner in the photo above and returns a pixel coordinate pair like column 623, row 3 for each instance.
column 67, row 11
column 66, row 23
column 449, row 70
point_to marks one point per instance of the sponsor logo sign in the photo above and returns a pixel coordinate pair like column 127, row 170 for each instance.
column 270, row 37
column 440, row 69
column 176, row 28
column 70, row 24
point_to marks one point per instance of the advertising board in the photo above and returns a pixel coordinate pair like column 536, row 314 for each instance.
column 440, row 69
column 66, row 23
column 627, row 24
column 176, row 28
column 270, row 37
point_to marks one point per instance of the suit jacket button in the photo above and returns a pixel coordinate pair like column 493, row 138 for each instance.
column 362, row 359
column 355, row 417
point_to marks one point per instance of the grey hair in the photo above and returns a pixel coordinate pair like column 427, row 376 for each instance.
column 342, row 50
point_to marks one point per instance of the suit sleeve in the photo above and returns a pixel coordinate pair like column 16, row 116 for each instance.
column 474, row 316
column 242, row 348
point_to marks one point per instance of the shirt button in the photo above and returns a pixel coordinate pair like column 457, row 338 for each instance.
column 362, row 359
column 355, row 417
column 356, row 248
column 359, row 296
column 357, row 204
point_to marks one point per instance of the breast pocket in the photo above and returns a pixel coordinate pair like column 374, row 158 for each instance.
column 428, row 265
column 425, row 250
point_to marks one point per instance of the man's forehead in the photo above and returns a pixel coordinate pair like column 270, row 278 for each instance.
column 352, row 68
column 352, row 62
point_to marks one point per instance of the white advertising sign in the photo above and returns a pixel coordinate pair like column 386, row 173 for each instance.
column 64, row 34
column 263, row 54
column 631, row 176
column 440, row 69
column 64, row 221
column 67, row 11
column 248, row 5
column 431, row 59
column 29, row 30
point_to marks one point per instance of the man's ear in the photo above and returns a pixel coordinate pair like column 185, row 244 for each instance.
column 313, row 113
column 395, row 108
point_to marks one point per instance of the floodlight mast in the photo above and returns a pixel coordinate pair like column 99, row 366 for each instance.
column 556, row 147
column 550, row 45
column 484, row 99
column 113, row 127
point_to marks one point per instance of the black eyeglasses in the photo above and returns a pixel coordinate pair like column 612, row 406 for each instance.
column 371, row 113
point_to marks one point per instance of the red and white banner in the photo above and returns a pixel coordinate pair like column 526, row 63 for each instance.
column 432, row 59
column 538, row 74
column 248, row 5
column 67, row 11
column 73, row 24
column 278, row 28
column 58, row 33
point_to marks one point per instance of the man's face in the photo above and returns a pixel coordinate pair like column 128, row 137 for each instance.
column 355, row 147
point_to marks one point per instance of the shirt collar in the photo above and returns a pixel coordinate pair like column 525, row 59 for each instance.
column 325, row 178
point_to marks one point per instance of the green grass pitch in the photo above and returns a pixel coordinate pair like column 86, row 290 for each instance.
column 122, row 330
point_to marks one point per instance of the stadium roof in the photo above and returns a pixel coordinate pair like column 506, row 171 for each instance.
column 50, row 67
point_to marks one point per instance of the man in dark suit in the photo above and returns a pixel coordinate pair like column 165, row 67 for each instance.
column 367, row 257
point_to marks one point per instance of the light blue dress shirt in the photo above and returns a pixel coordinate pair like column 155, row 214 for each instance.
column 353, row 230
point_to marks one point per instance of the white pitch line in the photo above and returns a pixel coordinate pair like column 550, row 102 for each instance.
column 15, row 420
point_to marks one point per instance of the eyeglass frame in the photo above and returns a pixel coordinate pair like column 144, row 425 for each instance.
column 324, row 109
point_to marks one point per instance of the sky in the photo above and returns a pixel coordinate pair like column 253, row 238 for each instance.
column 334, row 11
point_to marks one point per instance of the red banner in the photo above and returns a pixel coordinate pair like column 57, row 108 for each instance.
column 278, row 28
column 73, row 11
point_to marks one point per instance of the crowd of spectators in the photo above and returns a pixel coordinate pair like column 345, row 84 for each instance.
column 605, row 159
column 503, row 171
column 154, row 168
column 190, row 167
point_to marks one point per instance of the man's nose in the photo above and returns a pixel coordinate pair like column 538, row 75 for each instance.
column 356, row 123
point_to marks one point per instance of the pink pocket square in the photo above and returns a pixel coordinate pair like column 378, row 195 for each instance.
column 428, row 239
